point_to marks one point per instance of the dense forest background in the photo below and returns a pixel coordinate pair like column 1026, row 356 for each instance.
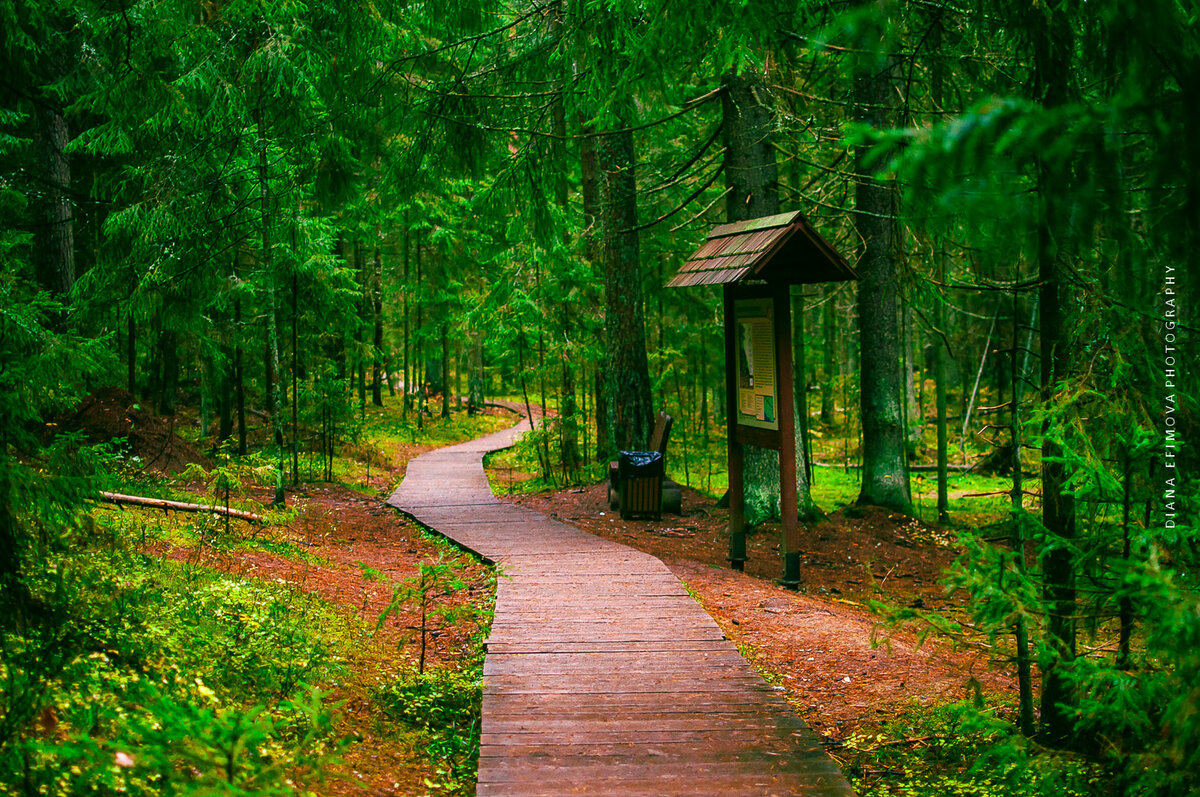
column 281, row 212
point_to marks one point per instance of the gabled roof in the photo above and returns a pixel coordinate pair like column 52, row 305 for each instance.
column 783, row 249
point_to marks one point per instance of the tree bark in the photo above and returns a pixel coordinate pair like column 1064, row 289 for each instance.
column 590, row 193
column 377, row 340
column 1052, row 45
column 884, row 473
column 752, row 181
column 829, row 358
column 55, row 235
column 131, row 353
column 168, row 347
column 239, row 372
column 627, row 377
column 275, row 383
column 568, row 411
column 178, row 506
column 445, row 381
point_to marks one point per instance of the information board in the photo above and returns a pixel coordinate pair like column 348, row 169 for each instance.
column 757, row 382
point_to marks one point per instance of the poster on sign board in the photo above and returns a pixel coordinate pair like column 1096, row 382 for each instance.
column 757, row 396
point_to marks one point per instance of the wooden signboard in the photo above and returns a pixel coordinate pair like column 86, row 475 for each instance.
column 758, row 384
column 757, row 260
column 757, row 372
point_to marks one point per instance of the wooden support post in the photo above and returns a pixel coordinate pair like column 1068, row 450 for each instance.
column 789, row 510
column 737, row 496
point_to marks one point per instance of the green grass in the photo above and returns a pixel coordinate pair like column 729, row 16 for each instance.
column 207, row 683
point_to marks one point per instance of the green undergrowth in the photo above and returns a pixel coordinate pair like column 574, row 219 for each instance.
column 149, row 676
column 518, row 470
column 440, row 705
column 961, row 750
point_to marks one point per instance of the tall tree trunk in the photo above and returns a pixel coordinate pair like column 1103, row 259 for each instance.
column 804, row 503
column 752, row 179
column 168, row 347
column 239, row 371
column 225, row 390
column 829, row 357
column 445, row 369
column 568, row 422
column 275, row 384
column 884, row 471
column 1053, row 44
column 912, row 411
column 1017, row 500
column 131, row 355
column 55, row 234
column 941, row 336
column 364, row 320
column 295, row 372
column 939, row 374
column 627, row 369
column 406, row 393
column 377, row 318
column 590, row 192
column 419, row 344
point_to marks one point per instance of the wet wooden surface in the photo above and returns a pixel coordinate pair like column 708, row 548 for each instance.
column 602, row 675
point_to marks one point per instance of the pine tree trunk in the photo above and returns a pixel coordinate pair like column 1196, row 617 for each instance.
column 445, row 381
column 939, row 374
column 829, row 357
column 1052, row 42
column 568, row 422
column 590, row 193
column 752, row 179
column 628, row 372
column 912, row 411
column 419, row 344
column 225, row 390
column 941, row 334
column 377, row 340
column 239, row 377
column 1017, row 500
column 295, row 374
column 406, row 393
column 55, row 235
column 168, row 347
column 274, row 383
column 884, row 472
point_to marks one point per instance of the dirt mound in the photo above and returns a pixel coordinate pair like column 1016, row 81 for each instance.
column 111, row 413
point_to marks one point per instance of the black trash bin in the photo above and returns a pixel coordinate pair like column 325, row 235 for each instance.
column 641, row 478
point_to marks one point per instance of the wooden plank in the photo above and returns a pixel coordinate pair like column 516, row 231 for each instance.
column 602, row 674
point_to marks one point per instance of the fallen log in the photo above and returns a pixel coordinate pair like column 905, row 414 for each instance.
column 179, row 506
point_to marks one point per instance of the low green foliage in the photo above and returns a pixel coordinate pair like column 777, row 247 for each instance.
column 961, row 750
column 428, row 592
column 519, row 470
column 148, row 676
column 443, row 706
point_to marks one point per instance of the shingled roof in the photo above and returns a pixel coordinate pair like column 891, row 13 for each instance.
column 783, row 249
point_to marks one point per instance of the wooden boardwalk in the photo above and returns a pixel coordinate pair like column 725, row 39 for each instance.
column 602, row 675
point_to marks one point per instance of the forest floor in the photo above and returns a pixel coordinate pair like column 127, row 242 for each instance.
column 823, row 646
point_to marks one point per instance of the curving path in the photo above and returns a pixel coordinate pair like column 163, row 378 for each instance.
column 602, row 675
